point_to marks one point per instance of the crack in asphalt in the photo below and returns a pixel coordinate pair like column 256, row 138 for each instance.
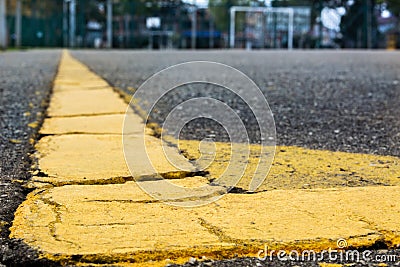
column 212, row 229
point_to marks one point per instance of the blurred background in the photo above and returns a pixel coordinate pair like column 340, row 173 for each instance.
column 201, row 24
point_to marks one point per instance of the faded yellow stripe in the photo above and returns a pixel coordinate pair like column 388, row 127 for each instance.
column 301, row 168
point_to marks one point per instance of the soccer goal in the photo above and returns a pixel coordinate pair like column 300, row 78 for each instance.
column 261, row 27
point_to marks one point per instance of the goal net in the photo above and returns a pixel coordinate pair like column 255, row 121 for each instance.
column 261, row 27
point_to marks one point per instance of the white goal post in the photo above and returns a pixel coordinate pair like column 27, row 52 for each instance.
column 287, row 10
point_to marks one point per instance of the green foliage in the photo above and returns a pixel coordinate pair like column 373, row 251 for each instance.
column 145, row 7
column 285, row 3
column 92, row 10
column 393, row 6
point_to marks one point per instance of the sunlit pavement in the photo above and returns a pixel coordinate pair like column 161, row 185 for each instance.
column 85, row 206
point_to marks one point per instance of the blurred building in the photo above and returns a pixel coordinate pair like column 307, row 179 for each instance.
column 47, row 23
column 388, row 27
column 316, row 24
column 41, row 23
column 266, row 29
column 173, row 30
column 207, row 36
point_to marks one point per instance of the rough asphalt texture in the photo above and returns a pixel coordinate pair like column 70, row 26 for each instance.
column 25, row 85
column 335, row 100
column 345, row 101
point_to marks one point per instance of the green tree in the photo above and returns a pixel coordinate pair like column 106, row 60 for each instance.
column 357, row 29
column 393, row 6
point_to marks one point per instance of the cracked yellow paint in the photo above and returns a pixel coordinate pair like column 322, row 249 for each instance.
column 65, row 84
column 324, row 264
column 80, row 158
column 86, row 210
column 301, row 168
column 83, row 142
column 89, row 159
column 86, row 102
column 111, row 223
column 105, row 124
column 34, row 124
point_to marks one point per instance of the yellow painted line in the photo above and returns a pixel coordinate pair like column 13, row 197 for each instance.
column 87, row 210
column 301, row 168
column 323, row 264
column 113, row 223
column 106, row 124
column 84, row 142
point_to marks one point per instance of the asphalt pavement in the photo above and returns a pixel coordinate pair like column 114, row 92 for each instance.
column 25, row 85
column 335, row 100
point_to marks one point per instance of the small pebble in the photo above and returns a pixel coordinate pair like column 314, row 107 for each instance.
column 192, row 260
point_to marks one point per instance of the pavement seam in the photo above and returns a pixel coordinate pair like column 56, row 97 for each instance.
column 86, row 115
column 114, row 180
column 104, row 181
column 154, row 126
column 77, row 133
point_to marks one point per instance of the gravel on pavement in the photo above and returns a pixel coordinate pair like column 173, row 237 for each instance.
column 25, row 86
